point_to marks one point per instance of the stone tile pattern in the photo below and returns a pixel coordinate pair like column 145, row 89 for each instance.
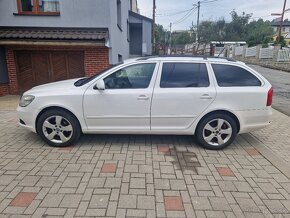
column 135, row 176
column 276, row 136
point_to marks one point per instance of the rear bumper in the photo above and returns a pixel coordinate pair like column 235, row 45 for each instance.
column 253, row 120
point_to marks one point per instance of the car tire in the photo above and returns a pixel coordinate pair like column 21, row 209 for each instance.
column 58, row 128
column 216, row 131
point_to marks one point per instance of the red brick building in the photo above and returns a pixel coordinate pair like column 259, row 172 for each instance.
column 44, row 41
column 36, row 56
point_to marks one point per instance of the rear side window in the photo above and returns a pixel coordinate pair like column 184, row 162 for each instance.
column 184, row 75
column 228, row 76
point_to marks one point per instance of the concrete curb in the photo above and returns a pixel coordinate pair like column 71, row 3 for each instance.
column 268, row 154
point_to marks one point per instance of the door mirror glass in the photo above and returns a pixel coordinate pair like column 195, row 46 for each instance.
column 100, row 85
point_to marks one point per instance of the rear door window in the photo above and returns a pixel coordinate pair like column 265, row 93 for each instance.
column 228, row 76
column 184, row 75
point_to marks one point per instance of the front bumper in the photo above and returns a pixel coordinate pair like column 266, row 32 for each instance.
column 28, row 117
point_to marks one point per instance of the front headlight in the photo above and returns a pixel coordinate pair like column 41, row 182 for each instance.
column 26, row 100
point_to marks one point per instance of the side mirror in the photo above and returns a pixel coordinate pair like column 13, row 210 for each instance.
column 100, row 85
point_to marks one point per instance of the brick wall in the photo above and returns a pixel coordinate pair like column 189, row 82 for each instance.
column 11, row 66
column 96, row 60
column 4, row 89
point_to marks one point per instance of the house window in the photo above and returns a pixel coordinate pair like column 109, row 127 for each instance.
column 38, row 7
column 120, row 58
column 119, row 14
column 128, row 31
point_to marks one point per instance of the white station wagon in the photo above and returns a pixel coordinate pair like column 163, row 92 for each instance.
column 212, row 98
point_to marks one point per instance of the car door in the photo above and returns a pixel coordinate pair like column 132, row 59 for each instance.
column 182, row 92
column 124, row 104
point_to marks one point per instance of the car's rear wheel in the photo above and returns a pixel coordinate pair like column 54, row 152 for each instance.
column 216, row 131
column 58, row 128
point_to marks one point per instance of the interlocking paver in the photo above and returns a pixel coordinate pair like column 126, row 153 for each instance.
column 99, row 201
column 52, row 200
column 113, row 183
column 201, row 203
column 137, row 183
column 71, row 201
column 109, row 168
column 146, row 202
column 23, row 199
column 131, row 176
column 173, row 203
column 224, row 171
column 127, row 201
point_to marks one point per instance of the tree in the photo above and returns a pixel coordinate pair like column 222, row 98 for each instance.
column 160, row 34
column 207, row 32
column 259, row 32
column 182, row 38
column 235, row 30
column 239, row 29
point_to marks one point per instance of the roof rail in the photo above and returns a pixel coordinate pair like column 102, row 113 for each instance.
column 205, row 57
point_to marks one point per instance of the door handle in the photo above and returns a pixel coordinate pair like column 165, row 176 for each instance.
column 143, row 98
column 205, row 96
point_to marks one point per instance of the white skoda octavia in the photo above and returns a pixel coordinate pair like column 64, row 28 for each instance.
column 212, row 98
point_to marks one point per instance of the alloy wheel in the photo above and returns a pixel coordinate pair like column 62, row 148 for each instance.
column 217, row 132
column 57, row 129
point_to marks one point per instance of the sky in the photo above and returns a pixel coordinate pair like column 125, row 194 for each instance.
column 168, row 10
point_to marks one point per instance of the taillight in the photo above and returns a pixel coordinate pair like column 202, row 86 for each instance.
column 270, row 97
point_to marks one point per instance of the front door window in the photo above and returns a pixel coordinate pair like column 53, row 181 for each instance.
column 133, row 77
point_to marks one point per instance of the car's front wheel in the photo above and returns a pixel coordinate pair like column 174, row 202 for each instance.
column 216, row 131
column 58, row 128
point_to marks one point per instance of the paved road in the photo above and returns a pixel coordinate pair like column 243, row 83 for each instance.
column 281, row 83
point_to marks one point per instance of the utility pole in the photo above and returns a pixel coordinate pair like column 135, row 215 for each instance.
column 282, row 20
column 197, row 26
column 170, row 39
column 153, row 28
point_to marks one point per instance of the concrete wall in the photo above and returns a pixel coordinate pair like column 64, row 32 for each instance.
column 147, row 31
column 77, row 13
column 73, row 13
column 118, row 37
column 270, row 63
column 146, row 34
column 285, row 66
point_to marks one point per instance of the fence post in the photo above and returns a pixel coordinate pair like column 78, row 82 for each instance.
column 258, row 47
column 275, row 54
column 244, row 50
column 234, row 51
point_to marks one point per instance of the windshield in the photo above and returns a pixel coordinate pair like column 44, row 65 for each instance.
column 85, row 80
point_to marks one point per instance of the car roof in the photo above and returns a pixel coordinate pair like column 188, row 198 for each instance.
column 180, row 58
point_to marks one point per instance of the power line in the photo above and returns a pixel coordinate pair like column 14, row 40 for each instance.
column 172, row 14
column 185, row 17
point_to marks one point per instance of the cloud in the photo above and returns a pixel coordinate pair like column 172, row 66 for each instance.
column 209, row 11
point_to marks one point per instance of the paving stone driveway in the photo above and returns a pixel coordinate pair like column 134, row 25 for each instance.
column 135, row 176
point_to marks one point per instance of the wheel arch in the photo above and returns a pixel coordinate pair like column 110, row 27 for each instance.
column 57, row 108
column 232, row 115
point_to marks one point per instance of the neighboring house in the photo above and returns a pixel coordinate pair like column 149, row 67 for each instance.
column 285, row 26
column 49, row 40
column 134, row 6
